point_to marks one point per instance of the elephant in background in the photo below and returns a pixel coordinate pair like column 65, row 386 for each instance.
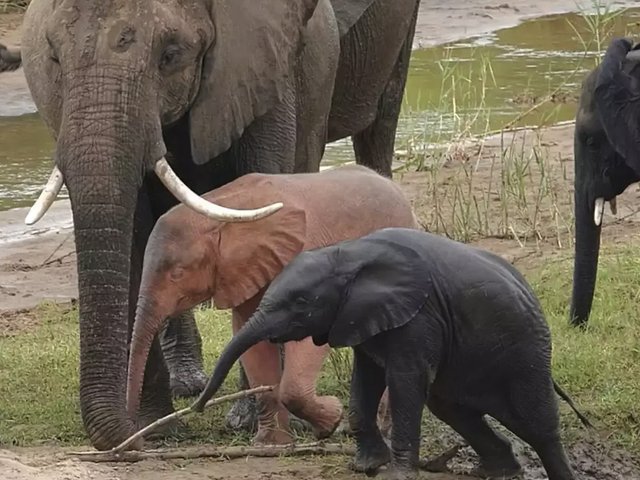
column 435, row 321
column 607, row 159
column 157, row 101
column 10, row 59
column 190, row 258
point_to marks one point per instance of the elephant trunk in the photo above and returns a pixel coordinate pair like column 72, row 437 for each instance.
column 100, row 153
column 148, row 323
column 253, row 332
column 587, row 248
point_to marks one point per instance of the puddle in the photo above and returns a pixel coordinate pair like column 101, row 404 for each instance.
column 477, row 84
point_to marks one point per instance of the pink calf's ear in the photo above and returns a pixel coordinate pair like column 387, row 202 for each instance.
column 252, row 254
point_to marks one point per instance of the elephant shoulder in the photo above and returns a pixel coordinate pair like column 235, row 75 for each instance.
column 348, row 12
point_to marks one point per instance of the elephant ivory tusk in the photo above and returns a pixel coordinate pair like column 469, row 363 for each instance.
column 187, row 196
column 633, row 55
column 46, row 198
column 598, row 211
column 613, row 206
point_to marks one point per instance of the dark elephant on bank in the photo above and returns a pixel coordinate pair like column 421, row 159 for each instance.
column 153, row 101
column 607, row 159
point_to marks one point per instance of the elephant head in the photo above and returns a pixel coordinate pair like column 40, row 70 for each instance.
column 108, row 77
column 607, row 159
column 190, row 259
column 341, row 295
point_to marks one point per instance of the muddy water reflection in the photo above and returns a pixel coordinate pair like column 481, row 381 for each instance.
column 478, row 84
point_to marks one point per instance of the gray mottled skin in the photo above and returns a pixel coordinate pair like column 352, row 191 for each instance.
column 221, row 89
column 607, row 158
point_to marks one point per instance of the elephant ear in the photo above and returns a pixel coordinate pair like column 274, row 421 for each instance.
column 43, row 76
column 245, row 71
column 617, row 100
column 386, row 292
column 348, row 12
column 251, row 254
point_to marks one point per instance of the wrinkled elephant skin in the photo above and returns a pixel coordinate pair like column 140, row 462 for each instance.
column 422, row 314
column 155, row 100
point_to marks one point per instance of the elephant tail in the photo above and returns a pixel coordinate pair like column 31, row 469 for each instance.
column 562, row 394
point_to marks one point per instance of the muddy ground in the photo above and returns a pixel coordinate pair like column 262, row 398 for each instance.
column 38, row 264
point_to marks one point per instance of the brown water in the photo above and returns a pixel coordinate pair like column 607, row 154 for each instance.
column 478, row 84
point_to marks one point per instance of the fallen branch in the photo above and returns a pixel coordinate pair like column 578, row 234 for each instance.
column 119, row 449
column 218, row 452
column 439, row 464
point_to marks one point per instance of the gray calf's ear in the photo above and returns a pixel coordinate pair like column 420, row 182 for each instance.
column 386, row 292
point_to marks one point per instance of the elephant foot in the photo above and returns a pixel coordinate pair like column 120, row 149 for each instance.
column 272, row 436
column 324, row 414
column 397, row 472
column 498, row 469
column 188, row 382
column 322, row 432
column 149, row 415
column 243, row 415
column 370, row 458
column 299, row 425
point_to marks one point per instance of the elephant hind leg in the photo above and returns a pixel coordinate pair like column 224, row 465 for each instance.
column 496, row 455
column 530, row 411
column 302, row 363
column 374, row 146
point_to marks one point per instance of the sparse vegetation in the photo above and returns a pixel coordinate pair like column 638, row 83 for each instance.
column 600, row 368
column 13, row 5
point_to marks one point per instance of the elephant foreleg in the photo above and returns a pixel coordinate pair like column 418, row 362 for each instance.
column 302, row 364
column 182, row 349
column 374, row 146
column 243, row 413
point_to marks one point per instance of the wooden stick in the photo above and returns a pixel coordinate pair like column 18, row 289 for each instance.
column 117, row 450
column 439, row 463
column 218, row 452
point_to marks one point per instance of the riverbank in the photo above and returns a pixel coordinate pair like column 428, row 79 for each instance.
column 28, row 254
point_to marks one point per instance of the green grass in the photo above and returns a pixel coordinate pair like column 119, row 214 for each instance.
column 600, row 367
column 13, row 5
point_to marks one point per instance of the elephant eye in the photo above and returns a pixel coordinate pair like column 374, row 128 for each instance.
column 169, row 57
column 302, row 300
column 177, row 274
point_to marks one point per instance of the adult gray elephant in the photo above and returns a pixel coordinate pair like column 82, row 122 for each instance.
column 156, row 96
column 607, row 159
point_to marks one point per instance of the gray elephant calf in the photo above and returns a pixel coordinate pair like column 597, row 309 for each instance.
column 435, row 321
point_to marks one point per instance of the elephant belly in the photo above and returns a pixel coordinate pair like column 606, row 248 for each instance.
column 369, row 52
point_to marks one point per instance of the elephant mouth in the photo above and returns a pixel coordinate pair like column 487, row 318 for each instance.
column 173, row 183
